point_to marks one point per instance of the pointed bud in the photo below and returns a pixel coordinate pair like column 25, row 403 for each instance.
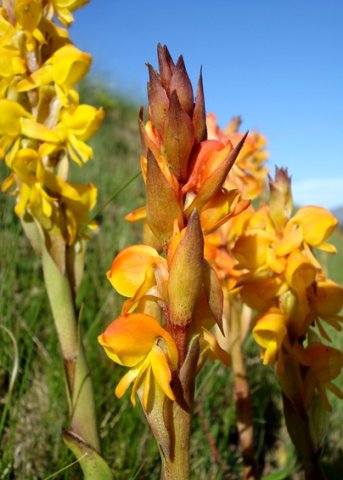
column 214, row 294
column 166, row 65
column 199, row 113
column 162, row 203
column 178, row 138
column 214, row 182
column 280, row 199
column 158, row 99
column 181, row 84
column 185, row 274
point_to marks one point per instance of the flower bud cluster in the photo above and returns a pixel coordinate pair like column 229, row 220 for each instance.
column 168, row 283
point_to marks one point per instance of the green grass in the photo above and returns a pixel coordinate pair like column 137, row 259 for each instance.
column 31, row 446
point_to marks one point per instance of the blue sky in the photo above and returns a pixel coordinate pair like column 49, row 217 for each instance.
column 277, row 63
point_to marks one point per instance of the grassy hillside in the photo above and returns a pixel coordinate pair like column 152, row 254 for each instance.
column 30, row 429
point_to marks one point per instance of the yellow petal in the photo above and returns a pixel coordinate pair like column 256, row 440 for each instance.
column 217, row 353
column 28, row 13
column 329, row 297
column 316, row 223
column 161, row 370
column 35, row 130
column 269, row 332
column 136, row 215
column 300, row 272
column 10, row 114
column 125, row 382
column 290, row 241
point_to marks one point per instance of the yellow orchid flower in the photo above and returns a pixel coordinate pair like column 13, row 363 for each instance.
column 42, row 193
column 270, row 332
column 138, row 272
column 327, row 300
column 15, row 121
column 76, row 125
column 28, row 14
column 139, row 342
column 315, row 224
column 11, row 65
column 300, row 272
column 67, row 66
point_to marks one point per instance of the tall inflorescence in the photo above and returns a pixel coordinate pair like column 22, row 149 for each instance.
column 43, row 126
column 174, row 296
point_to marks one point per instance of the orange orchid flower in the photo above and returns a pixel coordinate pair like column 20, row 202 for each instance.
column 139, row 342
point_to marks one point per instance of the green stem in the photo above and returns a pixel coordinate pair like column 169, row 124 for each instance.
column 177, row 467
column 80, row 388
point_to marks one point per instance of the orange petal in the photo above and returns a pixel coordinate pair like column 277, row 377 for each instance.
column 129, row 339
column 129, row 268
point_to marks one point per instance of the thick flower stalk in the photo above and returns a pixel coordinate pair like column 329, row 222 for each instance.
column 284, row 283
column 43, row 127
column 174, row 298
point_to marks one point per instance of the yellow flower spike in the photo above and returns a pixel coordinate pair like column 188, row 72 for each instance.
column 270, row 332
column 316, row 224
column 129, row 268
column 138, row 341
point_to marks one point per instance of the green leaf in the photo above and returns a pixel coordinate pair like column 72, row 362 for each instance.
column 93, row 465
column 280, row 475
